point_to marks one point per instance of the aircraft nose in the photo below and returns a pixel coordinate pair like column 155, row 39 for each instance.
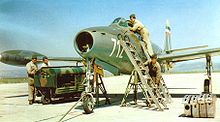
column 84, row 41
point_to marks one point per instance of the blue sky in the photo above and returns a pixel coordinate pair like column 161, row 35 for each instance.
column 49, row 26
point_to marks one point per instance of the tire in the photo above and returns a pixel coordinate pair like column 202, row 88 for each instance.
column 88, row 104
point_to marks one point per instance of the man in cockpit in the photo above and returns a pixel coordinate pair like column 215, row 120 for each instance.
column 137, row 26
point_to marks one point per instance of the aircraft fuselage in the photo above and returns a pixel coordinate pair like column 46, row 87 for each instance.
column 102, row 44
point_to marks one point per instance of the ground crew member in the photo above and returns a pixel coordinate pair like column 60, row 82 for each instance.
column 31, row 70
column 45, row 63
column 154, row 69
column 137, row 26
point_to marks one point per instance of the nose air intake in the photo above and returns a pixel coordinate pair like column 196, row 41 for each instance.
column 84, row 41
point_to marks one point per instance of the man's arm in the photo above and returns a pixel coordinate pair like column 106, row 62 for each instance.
column 135, row 27
column 30, row 70
column 147, row 63
column 130, row 23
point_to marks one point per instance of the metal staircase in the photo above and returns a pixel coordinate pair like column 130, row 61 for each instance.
column 140, row 78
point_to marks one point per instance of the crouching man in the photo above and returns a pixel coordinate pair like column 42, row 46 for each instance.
column 154, row 69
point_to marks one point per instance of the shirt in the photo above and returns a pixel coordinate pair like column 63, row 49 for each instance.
column 45, row 65
column 137, row 26
column 154, row 70
column 31, row 68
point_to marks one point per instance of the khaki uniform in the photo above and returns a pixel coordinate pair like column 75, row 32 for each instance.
column 139, row 27
column 31, row 70
column 154, row 71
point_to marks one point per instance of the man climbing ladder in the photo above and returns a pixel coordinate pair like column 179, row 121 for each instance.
column 137, row 26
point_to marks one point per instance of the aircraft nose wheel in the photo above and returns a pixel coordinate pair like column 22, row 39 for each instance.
column 88, row 103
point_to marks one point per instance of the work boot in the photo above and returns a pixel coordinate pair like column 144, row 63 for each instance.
column 30, row 102
column 38, row 94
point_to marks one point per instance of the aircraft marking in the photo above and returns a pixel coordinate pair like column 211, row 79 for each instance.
column 120, row 50
column 113, row 49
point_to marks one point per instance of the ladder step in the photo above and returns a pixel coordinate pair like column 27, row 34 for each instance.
column 135, row 83
column 128, row 43
column 144, row 71
column 137, row 60
column 146, row 77
column 132, row 51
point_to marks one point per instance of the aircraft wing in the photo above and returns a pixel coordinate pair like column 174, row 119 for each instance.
column 189, row 55
column 78, row 59
column 22, row 57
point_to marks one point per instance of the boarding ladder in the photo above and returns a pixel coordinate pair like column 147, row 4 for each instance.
column 140, row 77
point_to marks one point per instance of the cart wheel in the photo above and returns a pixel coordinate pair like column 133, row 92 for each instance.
column 45, row 100
column 88, row 103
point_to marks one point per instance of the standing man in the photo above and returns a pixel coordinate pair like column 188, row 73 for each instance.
column 45, row 62
column 31, row 70
column 138, row 27
column 154, row 69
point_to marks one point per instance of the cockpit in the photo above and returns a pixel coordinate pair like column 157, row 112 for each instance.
column 121, row 22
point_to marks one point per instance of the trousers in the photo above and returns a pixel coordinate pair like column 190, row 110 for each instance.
column 145, row 37
column 31, row 89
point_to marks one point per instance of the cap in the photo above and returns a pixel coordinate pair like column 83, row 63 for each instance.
column 34, row 57
column 45, row 57
column 154, row 56
column 132, row 15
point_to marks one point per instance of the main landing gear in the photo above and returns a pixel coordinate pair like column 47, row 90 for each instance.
column 207, row 81
column 93, row 83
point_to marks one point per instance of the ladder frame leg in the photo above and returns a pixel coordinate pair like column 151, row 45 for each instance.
column 127, row 91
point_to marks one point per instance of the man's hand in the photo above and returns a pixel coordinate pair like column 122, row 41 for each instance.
column 130, row 23
column 146, row 63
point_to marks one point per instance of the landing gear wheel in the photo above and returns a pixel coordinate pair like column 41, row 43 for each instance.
column 88, row 103
column 45, row 100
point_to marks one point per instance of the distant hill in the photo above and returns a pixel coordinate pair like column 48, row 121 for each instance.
column 7, row 71
column 12, row 73
column 194, row 67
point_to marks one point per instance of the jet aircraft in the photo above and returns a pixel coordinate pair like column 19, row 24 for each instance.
column 102, row 45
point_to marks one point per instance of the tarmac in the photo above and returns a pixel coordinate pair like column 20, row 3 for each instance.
column 14, row 105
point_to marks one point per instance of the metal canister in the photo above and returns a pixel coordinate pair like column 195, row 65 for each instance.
column 210, row 101
column 195, row 106
column 187, row 105
column 202, row 105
